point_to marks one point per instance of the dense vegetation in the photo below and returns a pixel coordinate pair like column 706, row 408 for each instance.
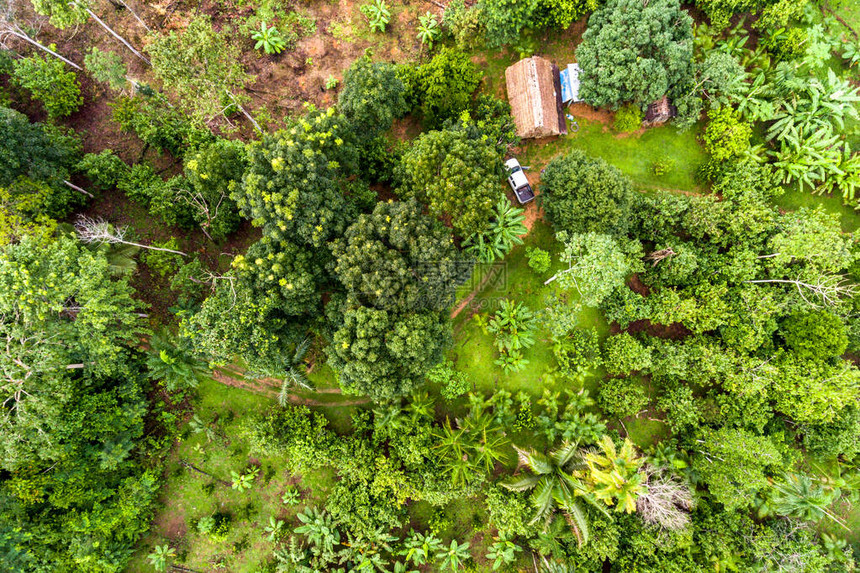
column 240, row 338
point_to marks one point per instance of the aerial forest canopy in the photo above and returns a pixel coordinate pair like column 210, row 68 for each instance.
column 290, row 288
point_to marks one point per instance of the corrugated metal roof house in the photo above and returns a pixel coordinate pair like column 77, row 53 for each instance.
column 534, row 92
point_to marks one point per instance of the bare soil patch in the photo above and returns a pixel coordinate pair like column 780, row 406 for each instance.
column 585, row 111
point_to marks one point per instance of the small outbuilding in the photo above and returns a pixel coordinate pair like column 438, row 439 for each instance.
column 570, row 84
column 659, row 112
column 534, row 92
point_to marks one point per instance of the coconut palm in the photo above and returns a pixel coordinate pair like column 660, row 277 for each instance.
column 555, row 487
column 799, row 496
column 295, row 372
column 614, row 474
column 172, row 361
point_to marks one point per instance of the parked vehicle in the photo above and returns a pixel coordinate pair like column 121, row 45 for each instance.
column 518, row 181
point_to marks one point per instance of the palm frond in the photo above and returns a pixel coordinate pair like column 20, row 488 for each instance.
column 542, row 500
column 564, row 453
column 578, row 522
column 535, row 461
column 301, row 350
column 521, row 483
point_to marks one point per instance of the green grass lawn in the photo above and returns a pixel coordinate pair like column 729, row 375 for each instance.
column 794, row 199
column 635, row 154
column 475, row 352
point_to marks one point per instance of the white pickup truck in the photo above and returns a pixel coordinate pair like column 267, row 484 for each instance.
column 518, row 181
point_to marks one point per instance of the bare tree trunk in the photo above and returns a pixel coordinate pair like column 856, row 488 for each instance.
column 115, row 35
column 27, row 38
column 251, row 119
column 198, row 470
column 79, row 189
column 151, row 248
column 136, row 17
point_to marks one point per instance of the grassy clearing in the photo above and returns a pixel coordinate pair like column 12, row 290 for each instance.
column 475, row 352
column 795, row 199
column 635, row 155
column 188, row 495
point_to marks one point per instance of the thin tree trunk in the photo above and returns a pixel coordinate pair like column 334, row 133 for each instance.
column 198, row 470
column 251, row 119
column 136, row 17
column 183, row 569
column 27, row 38
column 115, row 35
column 79, row 189
column 151, row 248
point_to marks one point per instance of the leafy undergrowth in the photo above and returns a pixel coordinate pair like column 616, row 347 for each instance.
column 475, row 352
column 188, row 495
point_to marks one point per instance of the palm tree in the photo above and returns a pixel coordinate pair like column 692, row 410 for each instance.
column 454, row 448
column 614, row 474
column 503, row 233
column 295, row 372
column 477, row 442
column 172, row 362
column 420, row 407
column 486, row 439
column 555, row 487
column 798, row 496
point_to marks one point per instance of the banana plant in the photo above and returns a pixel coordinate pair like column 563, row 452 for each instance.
column 428, row 29
column 268, row 38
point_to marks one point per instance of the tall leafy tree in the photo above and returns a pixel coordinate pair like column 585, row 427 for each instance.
column 774, row 13
column 292, row 187
column 385, row 354
column 445, row 85
column 735, row 464
column 583, row 194
column 400, row 270
column 373, row 95
column 48, row 82
column 260, row 311
column 33, row 155
column 399, row 259
column 455, row 175
column 74, row 407
column 597, row 265
column 213, row 172
column 635, row 51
